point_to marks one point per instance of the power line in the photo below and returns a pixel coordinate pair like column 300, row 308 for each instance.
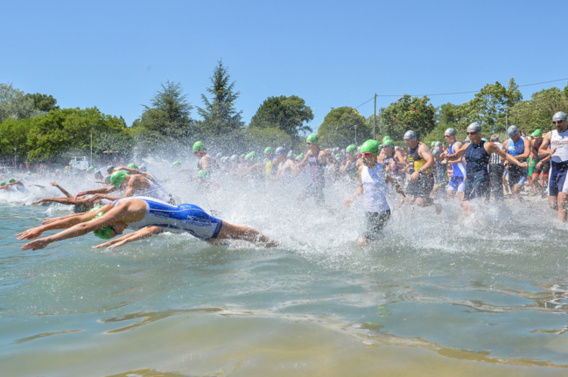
column 451, row 93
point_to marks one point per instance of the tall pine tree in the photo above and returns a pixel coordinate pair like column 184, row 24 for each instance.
column 219, row 115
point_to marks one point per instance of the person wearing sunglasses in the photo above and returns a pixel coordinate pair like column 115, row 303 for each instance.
column 421, row 169
column 316, row 159
column 477, row 154
column 374, row 177
column 555, row 145
column 520, row 148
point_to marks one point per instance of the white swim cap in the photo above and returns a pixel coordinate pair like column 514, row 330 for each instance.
column 512, row 131
column 559, row 116
column 450, row 131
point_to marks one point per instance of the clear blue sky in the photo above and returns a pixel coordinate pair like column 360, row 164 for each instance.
column 116, row 54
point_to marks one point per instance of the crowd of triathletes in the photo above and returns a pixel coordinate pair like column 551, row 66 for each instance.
column 477, row 168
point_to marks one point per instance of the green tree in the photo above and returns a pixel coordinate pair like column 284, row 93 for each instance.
column 14, row 138
column 538, row 111
column 490, row 104
column 514, row 95
column 409, row 113
column 14, row 104
column 43, row 102
column 285, row 113
column 343, row 126
column 70, row 130
column 168, row 118
column 219, row 115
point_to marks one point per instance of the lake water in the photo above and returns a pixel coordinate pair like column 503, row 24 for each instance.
column 438, row 295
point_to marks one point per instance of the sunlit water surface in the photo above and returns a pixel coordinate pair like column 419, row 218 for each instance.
column 438, row 295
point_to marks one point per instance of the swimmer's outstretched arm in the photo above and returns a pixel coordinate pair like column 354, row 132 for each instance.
column 56, row 200
column 50, row 220
column 102, row 190
column 141, row 234
column 65, row 192
column 77, row 226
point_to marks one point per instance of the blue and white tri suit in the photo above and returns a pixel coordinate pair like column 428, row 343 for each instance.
column 458, row 174
column 185, row 218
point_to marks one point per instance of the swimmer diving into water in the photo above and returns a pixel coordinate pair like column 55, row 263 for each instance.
column 148, row 217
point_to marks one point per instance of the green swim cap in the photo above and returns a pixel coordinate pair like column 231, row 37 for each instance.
column 11, row 180
column 117, row 178
column 313, row 138
column 90, row 169
column 537, row 133
column 105, row 233
column 176, row 164
column 290, row 154
column 204, row 174
column 3, row 183
column 370, row 146
column 198, row 146
column 251, row 156
column 432, row 144
column 300, row 157
column 388, row 143
column 268, row 150
column 386, row 138
column 132, row 165
column 351, row 148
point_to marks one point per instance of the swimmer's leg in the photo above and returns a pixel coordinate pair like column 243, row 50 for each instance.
column 230, row 231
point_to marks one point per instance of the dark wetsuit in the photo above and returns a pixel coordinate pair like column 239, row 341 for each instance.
column 425, row 183
column 517, row 175
column 477, row 173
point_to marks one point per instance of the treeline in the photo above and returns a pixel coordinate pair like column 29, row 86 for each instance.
column 33, row 128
